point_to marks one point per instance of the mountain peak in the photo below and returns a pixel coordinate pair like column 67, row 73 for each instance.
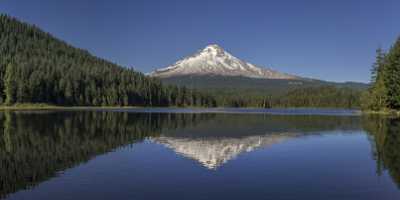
column 213, row 47
column 214, row 60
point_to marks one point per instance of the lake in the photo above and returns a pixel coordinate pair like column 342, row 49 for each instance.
column 199, row 154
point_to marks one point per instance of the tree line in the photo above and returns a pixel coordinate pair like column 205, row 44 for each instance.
column 35, row 67
column 384, row 93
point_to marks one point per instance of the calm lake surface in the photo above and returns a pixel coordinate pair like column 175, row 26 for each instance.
column 199, row 154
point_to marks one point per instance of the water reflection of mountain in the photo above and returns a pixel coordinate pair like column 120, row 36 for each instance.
column 214, row 142
column 213, row 152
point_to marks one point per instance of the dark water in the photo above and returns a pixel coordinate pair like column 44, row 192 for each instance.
column 199, row 154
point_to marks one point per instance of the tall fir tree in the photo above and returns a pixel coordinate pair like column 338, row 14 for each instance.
column 376, row 97
column 391, row 76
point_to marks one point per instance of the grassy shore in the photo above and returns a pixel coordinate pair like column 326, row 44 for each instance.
column 382, row 112
column 41, row 106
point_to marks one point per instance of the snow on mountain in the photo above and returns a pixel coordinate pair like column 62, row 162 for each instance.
column 213, row 60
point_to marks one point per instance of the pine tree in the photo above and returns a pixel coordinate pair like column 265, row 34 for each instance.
column 377, row 66
column 376, row 96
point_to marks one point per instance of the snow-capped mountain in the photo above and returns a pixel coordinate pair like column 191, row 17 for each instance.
column 213, row 60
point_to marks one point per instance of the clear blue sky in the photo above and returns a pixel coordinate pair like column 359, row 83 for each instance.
column 326, row 39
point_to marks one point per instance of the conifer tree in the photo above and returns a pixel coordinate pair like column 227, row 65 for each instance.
column 391, row 75
column 376, row 96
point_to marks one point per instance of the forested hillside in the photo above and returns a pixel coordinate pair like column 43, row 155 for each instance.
column 255, row 85
column 35, row 67
column 384, row 93
column 321, row 96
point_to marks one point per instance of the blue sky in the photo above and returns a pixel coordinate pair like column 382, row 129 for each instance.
column 331, row 40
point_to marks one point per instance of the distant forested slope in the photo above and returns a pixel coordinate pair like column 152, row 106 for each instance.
column 257, row 85
column 236, row 91
column 35, row 67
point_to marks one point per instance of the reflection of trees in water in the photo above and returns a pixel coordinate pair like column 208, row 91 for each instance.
column 385, row 132
column 7, row 132
column 34, row 147
column 241, row 125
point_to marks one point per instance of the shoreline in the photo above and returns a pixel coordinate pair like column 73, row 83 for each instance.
column 28, row 107
column 56, row 107
column 47, row 107
column 383, row 112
